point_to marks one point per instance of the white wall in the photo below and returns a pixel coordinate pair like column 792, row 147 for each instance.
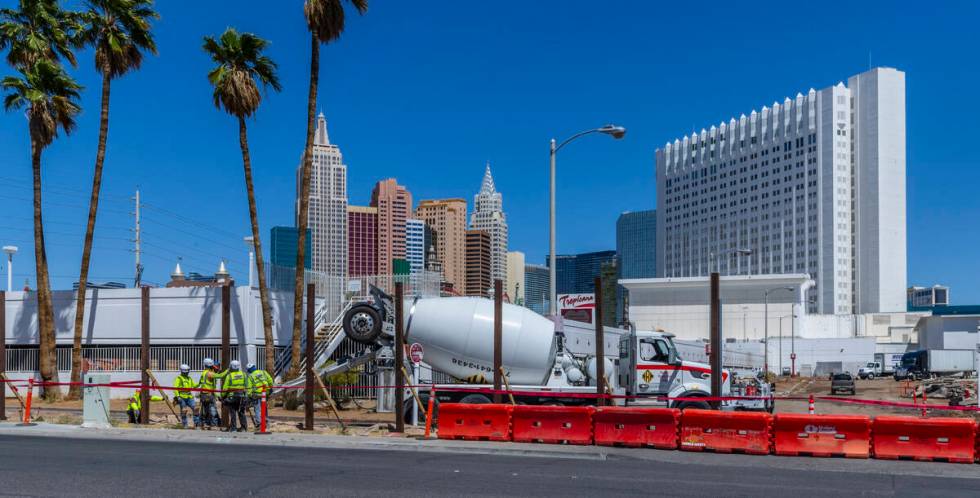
column 188, row 315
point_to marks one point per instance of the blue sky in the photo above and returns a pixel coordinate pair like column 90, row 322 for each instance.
column 428, row 92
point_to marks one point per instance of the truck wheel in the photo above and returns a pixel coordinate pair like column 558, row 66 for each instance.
column 362, row 323
column 700, row 405
column 871, row 376
column 475, row 399
column 407, row 411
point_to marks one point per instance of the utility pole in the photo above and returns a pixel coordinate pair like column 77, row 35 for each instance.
column 715, row 340
column 137, row 240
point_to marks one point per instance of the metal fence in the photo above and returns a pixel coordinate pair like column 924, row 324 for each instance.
column 127, row 358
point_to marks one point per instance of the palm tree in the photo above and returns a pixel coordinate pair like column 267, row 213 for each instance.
column 120, row 32
column 37, row 29
column 50, row 97
column 325, row 19
column 239, row 64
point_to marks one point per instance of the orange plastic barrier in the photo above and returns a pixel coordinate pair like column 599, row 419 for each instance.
column 553, row 424
column 822, row 435
column 636, row 427
column 725, row 432
column 474, row 422
column 935, row 439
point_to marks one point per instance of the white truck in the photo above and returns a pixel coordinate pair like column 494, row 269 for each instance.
column 545, row 362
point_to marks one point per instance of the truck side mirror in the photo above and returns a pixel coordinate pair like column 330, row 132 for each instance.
column 672, row 358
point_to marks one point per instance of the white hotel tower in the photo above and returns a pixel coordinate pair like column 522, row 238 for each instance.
column 813, row 185
column 488, row 215
column 328, row 205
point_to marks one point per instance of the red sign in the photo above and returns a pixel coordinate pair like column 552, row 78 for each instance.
column 415, row 352
column 792, row 356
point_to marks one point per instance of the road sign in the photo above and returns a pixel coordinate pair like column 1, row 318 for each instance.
column 415, row 352
column 792, row 356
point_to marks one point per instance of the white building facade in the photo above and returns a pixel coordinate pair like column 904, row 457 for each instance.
column 814, row 185
column 328, row 205
column 488, row 215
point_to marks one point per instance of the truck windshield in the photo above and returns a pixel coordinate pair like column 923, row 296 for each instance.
column 870, row 365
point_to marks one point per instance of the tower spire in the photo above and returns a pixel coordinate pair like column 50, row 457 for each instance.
column 321, row 137
column 488, row 185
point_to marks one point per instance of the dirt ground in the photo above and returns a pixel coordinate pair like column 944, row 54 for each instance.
column 363, row 419
column 881, row 389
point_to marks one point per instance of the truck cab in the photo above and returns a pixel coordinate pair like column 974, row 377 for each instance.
column 650, row 368
column 871, row 370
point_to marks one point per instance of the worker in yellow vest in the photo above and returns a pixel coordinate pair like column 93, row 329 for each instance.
column 136, row 406
column 234, row 392
column 260, row 382
column 184, row 397
column 208, row 382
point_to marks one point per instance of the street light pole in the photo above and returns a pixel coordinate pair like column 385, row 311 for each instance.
column 614, row 131
column 10, row 250
column 765, row 360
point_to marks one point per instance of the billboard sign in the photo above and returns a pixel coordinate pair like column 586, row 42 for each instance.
column 578, row 307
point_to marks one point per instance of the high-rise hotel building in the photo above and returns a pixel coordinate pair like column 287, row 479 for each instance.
column 328, row 204
column 488, row 216
column 815, row 184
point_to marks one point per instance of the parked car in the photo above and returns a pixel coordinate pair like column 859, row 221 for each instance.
column 786, row 371
column 842, row 383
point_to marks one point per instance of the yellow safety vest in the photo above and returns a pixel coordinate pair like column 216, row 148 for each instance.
column 184, row 382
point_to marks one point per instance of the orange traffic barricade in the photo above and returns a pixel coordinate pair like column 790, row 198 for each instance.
column 822, row 435
column 929, row 439
column 486, row 422
column 553, row 424
column 636, row 427
column 725, row 432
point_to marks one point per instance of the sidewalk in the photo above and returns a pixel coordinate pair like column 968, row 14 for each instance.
column 411, row 444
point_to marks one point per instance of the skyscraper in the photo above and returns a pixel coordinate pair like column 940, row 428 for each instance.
column 515, row 277
column 394, row 204
column 636, row 244
column 447, row 217
column 328, row 204
column 362, row 241
column 488, row 215
column 536, row 288
column 415, row 244
column 478, row 263
column 813, row 185
column 576, row 273
column 282, row 256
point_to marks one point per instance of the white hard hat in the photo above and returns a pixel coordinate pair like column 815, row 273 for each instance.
column 185, row 368
column 250, row 366
column 208, row 362
column 234, row 365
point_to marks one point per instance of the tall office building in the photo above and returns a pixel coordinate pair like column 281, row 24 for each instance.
column 415, row 245
column 362, row 241
column 515, row 277
column 479, row 268
column 328, row 204
column 576, row 273
column 536, row 288
column 636, row 244
column 447, row 217
column 488, row 215
column 813, row 185
column 394, row 204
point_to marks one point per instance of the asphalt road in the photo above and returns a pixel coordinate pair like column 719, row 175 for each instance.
column 44, row 466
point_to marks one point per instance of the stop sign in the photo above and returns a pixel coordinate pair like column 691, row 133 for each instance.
column 415, row 352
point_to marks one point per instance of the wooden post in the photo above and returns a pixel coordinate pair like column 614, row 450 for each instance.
column 399, row 360
column 330, row 402
column 145, row 355
column 3, row 355
column 600, row 346
column 310, row 310
column 225, row 341
column 163, row 394
column 715, row 341
column 498, row 339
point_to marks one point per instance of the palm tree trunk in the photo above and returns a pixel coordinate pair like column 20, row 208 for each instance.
column 302, row 215
column 75, row 391
column 47, row 354
column 253, row 213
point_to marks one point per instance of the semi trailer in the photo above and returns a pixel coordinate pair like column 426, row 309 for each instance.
column 927, row 363
column 544, row 361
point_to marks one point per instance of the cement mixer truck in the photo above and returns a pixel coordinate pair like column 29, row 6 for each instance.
column 545, row 361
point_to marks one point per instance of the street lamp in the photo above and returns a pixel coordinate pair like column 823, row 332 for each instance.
column 10, row 250
column 614, row 131
column 765, row 360
column 781, row 340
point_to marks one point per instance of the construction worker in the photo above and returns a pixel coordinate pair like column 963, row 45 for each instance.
column 234, row 392
column 183, row 397
column 209, row 405
column 136, row 405
column 260, row 382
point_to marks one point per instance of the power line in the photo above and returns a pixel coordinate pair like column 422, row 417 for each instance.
column 185, row 219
